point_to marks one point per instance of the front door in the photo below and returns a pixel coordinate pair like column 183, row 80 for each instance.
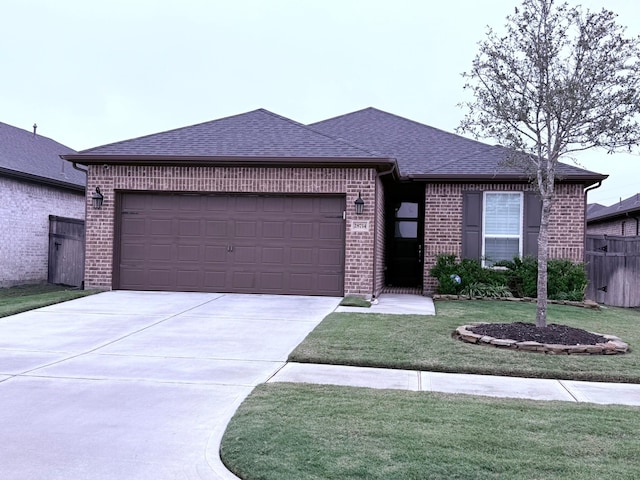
column 405, row 239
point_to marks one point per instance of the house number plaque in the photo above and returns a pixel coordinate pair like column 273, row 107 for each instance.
column 359, row 225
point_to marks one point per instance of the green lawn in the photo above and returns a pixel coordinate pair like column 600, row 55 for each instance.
column 27, row 297
column 424, row 342
column 298, row 431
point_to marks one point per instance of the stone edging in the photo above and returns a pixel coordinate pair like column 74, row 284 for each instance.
column 613, row 345
column 585, row 304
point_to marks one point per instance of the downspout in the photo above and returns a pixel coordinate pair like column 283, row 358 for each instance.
column 375, row 231
column 75, row 165
column 584, row 241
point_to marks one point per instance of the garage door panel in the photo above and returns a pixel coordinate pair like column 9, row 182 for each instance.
column 216, row 254
column 190, row 228
column 160, row 226
column 273, row 230
column 273, row 255
column 216, row 228
column 243, row 280
column 215, row 280
column 160, row 278
column 189, row 253
column 133, row 225
column 302, row 230
column 159, row 252
column 330, row 257
column 232, row 243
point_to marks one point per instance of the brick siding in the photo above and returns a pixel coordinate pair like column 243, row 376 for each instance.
column 622, row 227
column 443, row 221
column 359, row 246
column 24, row 234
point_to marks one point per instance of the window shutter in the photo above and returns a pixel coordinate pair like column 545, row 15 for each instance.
column 531, row 223
column 472, row 225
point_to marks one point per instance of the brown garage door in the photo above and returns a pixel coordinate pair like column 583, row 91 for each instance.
column 231, row 243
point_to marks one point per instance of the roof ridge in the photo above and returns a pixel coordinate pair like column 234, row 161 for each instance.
column 36, row 135
column 311, row 129
column 88, row 150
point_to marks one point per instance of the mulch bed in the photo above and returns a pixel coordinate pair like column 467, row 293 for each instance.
column 551, row 334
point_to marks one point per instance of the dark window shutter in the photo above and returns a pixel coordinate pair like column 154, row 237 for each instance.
column 531, row 223
column 472, row 225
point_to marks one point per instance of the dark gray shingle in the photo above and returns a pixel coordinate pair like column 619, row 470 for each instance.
column 22, row 152
column 259, row 133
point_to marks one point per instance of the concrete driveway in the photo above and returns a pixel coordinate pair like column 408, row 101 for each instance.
column 138, row 385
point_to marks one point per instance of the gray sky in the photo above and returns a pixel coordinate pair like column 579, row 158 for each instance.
column 90, row 73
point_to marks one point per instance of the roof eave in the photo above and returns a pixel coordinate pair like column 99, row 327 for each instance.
column 177, row 160
column 42, row 180
column 587, row 180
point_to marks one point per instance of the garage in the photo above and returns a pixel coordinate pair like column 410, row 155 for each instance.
column 274, row 244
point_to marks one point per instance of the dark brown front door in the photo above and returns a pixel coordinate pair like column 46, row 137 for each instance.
column 231, row 243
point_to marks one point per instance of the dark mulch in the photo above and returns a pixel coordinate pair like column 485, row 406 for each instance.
column 552, row 333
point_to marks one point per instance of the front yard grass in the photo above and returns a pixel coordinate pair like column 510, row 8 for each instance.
column 424, row 342
column 27, row 297
column 297, row 431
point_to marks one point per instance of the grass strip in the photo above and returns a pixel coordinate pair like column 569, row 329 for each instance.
column 418, row 342
column 28, row 297
column 295, row 431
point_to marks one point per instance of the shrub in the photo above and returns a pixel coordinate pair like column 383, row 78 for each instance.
column 566, row 280
column 486, row 291
column 448, row 271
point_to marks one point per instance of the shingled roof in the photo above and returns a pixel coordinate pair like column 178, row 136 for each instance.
column 255, row 134
column 33, row 157
column 622, row 208
column 429, row 153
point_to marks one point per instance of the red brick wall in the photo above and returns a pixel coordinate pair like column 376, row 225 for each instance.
column 380, row 240
column 443, row 221
column 359, row 246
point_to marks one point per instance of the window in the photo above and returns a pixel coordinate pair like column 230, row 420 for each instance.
column 406, row 223
column 501, row 227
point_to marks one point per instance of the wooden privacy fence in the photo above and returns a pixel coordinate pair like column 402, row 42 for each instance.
column 66, row 251
column 613, row 270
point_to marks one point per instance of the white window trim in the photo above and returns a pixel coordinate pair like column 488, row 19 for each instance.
column 484, row 236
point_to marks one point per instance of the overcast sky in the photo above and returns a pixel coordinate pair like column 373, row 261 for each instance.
column 90, row 73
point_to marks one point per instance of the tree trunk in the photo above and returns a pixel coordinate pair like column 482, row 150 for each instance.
column 543, row 244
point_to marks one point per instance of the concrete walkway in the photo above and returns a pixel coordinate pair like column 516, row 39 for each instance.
column 485, row 385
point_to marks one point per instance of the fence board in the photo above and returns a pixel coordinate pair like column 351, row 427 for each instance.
column 613, row 270
column 66, row 251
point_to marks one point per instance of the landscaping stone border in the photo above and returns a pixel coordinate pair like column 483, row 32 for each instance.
column 584, row 304
column 612, row 346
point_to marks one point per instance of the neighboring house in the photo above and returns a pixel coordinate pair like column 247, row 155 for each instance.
column 34, row 184
column 258, row 203
column 620, row 219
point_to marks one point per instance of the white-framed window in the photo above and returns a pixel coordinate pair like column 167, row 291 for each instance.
column 501, row 226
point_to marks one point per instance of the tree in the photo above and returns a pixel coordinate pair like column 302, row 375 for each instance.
column 560, row 81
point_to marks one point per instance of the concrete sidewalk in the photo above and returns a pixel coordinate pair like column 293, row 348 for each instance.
column 396, row 304
column 485, row 385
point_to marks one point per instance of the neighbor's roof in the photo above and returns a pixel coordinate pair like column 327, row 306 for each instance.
column 622, row 208
column 257, row 134
column 429, row 153
column 36, row 158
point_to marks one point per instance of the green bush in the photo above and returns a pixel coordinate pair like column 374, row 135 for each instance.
column 486, row 291
column 566, row 280
column 447, row 270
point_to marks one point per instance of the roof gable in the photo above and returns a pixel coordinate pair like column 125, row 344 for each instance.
column 258, row 133
column 28, row 155
column 424, row 151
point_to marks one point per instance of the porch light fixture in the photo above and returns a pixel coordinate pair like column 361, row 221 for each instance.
column 96, row 199
column 359, row 204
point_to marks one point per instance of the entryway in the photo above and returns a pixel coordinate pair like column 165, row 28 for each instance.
column 404, row 237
